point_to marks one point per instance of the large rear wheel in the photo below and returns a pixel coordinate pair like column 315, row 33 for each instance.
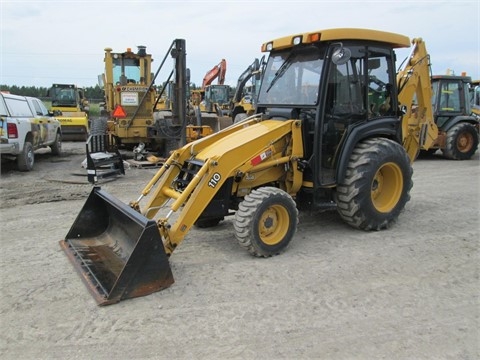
column 376, row 186
column 462, row 142
column 266, row 221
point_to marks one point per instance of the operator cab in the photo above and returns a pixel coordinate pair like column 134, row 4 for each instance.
column 334, row 88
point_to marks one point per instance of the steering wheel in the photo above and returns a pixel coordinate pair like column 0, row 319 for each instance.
column 381, row 86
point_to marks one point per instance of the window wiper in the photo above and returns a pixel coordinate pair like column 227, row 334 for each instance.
column 285, row 65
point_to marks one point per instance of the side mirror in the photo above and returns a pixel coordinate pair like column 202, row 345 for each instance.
column 101, row 82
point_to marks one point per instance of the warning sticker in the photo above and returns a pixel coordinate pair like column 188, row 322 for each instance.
column 129, row 99
column 259, row 158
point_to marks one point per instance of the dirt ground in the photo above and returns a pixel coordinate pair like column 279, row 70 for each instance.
column 410, row 292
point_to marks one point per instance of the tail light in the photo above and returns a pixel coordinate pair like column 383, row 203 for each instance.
column 12, row 131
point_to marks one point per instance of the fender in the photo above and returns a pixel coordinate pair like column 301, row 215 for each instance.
column 458, row 119
column 386, row 127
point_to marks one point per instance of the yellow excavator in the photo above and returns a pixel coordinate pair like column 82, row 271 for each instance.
column 336, row 129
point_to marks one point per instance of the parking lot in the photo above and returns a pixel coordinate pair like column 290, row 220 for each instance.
column 410, row 292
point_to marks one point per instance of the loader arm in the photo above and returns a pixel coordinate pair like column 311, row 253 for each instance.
column 419, row 130
column 253, row 154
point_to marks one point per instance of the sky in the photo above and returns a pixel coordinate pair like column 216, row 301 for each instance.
column 46, row 42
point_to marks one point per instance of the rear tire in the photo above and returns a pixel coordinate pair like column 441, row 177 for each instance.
column 376, row 186
column 26, row 158
column 462, row 142
column 57, row 145
column 266, row 221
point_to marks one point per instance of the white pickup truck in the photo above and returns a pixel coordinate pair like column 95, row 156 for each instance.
column 25, row 126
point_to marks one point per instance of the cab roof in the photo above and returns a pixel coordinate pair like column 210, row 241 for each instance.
column 393, row 39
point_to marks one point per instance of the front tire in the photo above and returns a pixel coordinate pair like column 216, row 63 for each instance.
column 26, row 158
column 376, row 186
column 266, row 221
column 462, row 142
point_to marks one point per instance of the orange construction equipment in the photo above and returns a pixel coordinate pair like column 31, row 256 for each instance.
column 218, row 71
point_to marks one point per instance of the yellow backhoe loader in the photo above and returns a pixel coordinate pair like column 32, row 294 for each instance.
column 454, row 114
column 336, row 130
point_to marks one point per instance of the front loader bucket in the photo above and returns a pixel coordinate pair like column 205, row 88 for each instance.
column 117, row 251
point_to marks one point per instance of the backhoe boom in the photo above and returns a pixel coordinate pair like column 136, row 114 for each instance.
column 419, row 130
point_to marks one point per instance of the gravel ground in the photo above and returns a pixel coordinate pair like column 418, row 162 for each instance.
column 410, row 292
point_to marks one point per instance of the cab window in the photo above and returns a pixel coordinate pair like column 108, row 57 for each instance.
column 3, row 108
column 39, row 107
column 18, row 107
column 292, row 78
column 449, row 93
column 362, row 86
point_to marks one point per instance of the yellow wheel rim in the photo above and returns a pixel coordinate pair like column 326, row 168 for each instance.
column 387, row 186
column 273, row 225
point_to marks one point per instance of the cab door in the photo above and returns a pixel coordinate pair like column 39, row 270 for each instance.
column 47, row 125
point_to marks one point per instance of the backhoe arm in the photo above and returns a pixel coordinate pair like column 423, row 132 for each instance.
column 217, row 71
column 243, row 78
column 419, row 130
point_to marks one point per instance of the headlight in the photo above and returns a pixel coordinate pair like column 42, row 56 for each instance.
column 297, row 40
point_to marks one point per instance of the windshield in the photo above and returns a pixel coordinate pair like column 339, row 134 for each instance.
column 131, row 70
column 63, row 96
column 219, row 94
column 292, row 78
